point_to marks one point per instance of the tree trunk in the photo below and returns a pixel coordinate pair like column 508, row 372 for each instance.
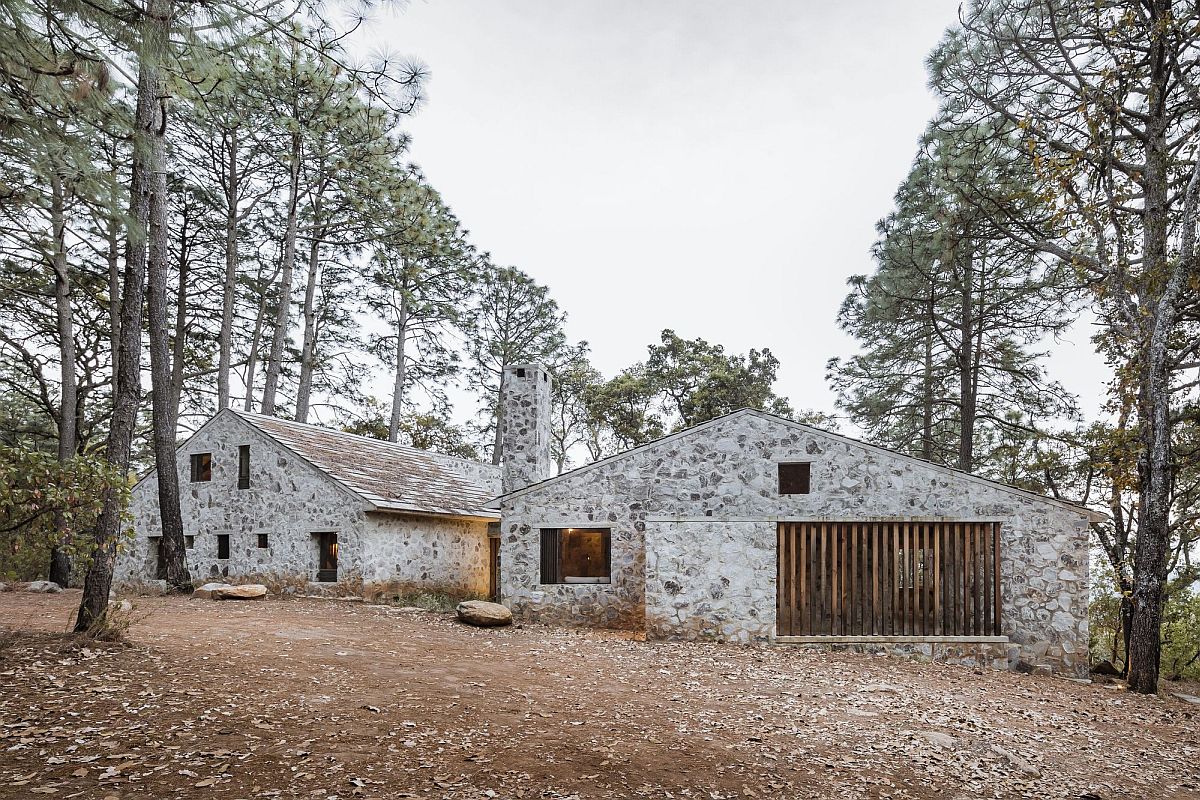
column 1155, row 471
column 155, row 26
column 927, row 393
column 498, row 442
column 309, row 347
column 229, row 283
column 114, row 293
column 179, row 341
column 966, row 372
column 172, row 543
column 60, row 561
column 283, row 312
column 398, row 384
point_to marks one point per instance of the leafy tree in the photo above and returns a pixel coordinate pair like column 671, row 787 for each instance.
column 949, row 318
column 1105, row 100
column 514, row 321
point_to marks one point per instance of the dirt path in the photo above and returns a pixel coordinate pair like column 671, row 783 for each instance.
column 332, row 699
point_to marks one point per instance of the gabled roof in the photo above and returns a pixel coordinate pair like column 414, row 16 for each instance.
column 950, row 471
column 388, row 476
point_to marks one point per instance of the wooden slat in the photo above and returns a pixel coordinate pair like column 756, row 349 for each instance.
column 996, row 532
column 781, row 603
column 823, row 607
column 986, row 601
column 938, row 627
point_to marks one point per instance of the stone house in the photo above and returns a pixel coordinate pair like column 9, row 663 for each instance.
column 262, row 496
column 752, row 527
column 746, row 528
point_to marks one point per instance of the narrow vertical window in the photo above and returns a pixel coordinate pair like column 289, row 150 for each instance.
column 244, row 466
column 262, row 541
column 201, row 467
column 794, row 478
column 189, row 541
column 222, row 545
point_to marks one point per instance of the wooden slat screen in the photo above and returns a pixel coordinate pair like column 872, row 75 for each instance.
column 889, row 579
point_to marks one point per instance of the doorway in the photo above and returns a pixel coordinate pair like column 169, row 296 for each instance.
column 327, row 558
column 160, row 558
column 494, row 569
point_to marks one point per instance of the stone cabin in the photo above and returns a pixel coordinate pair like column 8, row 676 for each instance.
column 752, row 527
column 263, row 496
column 747, row 528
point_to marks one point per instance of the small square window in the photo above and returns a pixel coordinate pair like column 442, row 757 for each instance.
column 521, row 373
column 244, row 466
column 576, row 555
column 201, row 467
column 189, row 542
column 262, row 541
column 222, row 545
column 794, row 478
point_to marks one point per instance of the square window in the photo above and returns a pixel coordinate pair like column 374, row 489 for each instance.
column 262, row 541
column 222, row 545
column 576, row 555
column 201, row 467
column 189, row 542
column 794, row 478
column 244, row 466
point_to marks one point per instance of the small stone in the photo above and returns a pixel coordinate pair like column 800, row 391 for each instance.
column 1020, row 764
column 483, row 614
column 247, row 591
column 1043, row 669
column 1188, row 698
column 45, row 587
column 938, row 739
column 1106, row 668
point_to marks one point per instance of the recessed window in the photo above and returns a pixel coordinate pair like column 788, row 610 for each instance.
column 222, row 545
column 262, row 541
column 189, row 542
column 521, row 373
column 794, row 478
column 244, row 466
column 576, row 555
column 201, row 467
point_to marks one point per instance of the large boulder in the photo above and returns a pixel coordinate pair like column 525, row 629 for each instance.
column 246, row 591
column 43, row 586
column 483, row 614
column 205, row 592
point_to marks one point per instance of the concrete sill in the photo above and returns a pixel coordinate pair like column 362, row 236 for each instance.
column 891, row 640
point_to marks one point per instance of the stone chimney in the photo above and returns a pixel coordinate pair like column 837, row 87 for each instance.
column 525, row 431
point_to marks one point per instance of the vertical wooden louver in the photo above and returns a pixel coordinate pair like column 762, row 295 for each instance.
column 889, row 579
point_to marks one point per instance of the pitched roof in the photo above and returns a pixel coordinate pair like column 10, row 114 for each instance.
column 389, row 476
column 956, row 473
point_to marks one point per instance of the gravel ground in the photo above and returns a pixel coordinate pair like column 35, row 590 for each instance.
column 331, row 699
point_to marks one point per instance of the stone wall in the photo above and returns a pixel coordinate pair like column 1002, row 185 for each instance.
column 289, row 500
column 706, row 503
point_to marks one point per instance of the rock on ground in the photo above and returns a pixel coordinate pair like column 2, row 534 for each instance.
column 43, row 586
column 206, row 591
column 483, row 614
column 246, row 591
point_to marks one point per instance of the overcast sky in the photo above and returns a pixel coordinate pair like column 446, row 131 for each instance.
column 716, row 168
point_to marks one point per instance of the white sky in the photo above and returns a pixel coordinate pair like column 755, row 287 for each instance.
column 712, row 167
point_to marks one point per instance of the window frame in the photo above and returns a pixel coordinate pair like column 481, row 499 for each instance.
column 243, row 466
column 201, row 472
column 789, row 485
column 550, row 572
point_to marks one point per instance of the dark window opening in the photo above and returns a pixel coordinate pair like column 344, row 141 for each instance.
column 201, row 467
column 160, row 558
column 222, row 545
column 244, row 466
column 520, row 373
column 576, row 555
column 189, row 542
column 794, row 478
column 262, row 541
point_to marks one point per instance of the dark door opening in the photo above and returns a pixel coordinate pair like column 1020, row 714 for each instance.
column 160, row 559
column 494, row 569
column 327, row 543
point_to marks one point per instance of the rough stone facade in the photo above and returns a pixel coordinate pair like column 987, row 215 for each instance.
column 525, row 433
column 693, row 529
column 290, row 501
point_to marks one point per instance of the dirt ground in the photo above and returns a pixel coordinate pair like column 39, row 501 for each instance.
column 331, row 699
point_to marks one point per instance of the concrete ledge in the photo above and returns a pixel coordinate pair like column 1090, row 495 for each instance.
column 891, row 640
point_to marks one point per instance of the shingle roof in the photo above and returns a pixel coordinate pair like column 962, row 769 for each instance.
column 389, row 476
